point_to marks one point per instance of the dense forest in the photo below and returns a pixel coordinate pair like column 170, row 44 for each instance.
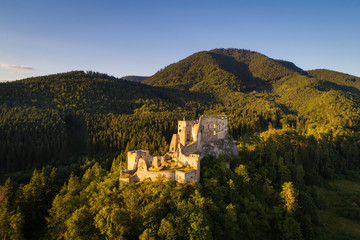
column 64, row 138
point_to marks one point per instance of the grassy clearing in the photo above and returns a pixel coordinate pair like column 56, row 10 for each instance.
column 337, row 227
column 346, row 185
column 172, row 166
column 184, row 169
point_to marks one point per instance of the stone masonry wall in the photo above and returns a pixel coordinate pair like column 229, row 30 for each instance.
column 212, row 128
column 187, row 131
column 174, row 143
column 186, row 176
column 133, row 158
column 193, row 160
column 142, row 175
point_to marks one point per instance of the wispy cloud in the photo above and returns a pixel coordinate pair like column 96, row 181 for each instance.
column 13, row 66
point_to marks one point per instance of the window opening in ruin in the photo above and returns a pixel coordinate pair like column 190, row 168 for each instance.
column 214, row 133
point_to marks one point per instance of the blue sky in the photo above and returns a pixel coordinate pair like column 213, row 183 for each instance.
column 141, row 37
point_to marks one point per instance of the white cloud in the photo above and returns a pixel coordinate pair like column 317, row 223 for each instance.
column 13, row 66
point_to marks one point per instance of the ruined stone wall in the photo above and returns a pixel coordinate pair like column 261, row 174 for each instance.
column 182, row 132
column 222, row 127
column 175, row 175
column 156, row 162
column 192, row 176
column 193, row 160
column 194, row 132
column 130, row 179
column 175, row 140
column 142, row 166
column 133, row 158
column 187, row 131
column 190, row 149
column 142, row 175
column 149, row 160
column 212, row 128
column 181, row 176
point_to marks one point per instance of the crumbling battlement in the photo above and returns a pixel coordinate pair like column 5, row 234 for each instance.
column 194, row 140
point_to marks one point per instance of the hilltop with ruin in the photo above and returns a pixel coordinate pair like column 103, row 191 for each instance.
column 194, row 140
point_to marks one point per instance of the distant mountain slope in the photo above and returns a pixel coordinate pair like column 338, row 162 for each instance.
column 342, row 81
column 223, row 69
column 88, row 91
column 135, row 78
column 75, row 90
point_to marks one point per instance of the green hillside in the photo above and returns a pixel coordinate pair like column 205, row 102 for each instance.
column 92, row 92
column 297, row 175
column 221, row 70
column 342, row 81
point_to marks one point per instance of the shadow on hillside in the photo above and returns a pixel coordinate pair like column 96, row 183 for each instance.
column 286, row 109
column 19, row 94
column 180, row 96
column 344, row 88
column 291, row 66
column 242, row 72
column 110, row 96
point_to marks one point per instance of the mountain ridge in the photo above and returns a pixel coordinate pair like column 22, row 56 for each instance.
column 232, row 69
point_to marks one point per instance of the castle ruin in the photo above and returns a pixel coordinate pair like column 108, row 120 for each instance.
column 194, row 140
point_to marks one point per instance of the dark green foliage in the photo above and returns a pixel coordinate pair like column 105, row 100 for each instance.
column 350, row 207
column 30, row 137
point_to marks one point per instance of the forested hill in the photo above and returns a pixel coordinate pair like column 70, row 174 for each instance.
column 223, row 69
column 342, row 81
column 296, row 177
column 90, row 91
